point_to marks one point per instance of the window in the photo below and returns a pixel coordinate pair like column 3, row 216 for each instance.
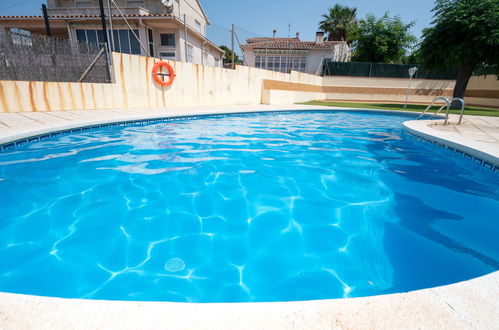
column 150, row 40
column 83, row 3
column 217, row 62
column 135, row 3
column 282, row 63
column 258, row 62
column 198, row 26
column 124, row 41
column 190, row 55
column 81, row 37
column 90, row 40
column 167, row 39
column 270, row 63
column 205, row 58
column 21, row 37
column 167, row 55
column 303, row 64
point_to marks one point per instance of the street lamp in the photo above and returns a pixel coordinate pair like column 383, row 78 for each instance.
column 412, row 72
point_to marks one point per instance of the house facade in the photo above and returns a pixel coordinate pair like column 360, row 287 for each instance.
column 286, row 54
column 157, row 27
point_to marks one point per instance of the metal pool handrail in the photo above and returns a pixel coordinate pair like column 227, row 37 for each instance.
column 447, row 104
column 462, row 108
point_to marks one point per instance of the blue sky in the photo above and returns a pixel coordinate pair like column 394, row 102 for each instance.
column 260, row 17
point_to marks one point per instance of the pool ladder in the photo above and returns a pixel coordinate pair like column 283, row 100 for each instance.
column 447, row 104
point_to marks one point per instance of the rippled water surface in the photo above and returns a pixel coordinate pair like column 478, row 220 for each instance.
column 262, row 207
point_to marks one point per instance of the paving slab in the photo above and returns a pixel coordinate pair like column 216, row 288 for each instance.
column 477, row 136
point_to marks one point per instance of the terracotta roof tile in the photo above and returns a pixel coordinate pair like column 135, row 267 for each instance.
column 265, row 39
column 82, row 16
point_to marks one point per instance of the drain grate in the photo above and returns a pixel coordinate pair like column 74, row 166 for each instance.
column 175, row 265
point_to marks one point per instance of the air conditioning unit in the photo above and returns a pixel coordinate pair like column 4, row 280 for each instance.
column 168, row 5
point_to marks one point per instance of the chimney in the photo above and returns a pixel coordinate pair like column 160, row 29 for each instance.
column 319, row 37
column 298, row 35
column 274, row 33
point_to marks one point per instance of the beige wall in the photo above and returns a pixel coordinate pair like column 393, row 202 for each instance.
column 481, row 91
column 386, row 89
column 204, row 85
column 134, row 88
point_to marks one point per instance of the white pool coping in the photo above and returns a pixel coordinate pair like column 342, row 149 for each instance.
column 486, row 151
column 466, row 305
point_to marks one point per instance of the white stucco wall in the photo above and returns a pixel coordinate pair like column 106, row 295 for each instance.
column 314, row 60
column 314, row 57
column 193, row 13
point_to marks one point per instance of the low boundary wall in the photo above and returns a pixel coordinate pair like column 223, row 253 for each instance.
column 134, row 88
column 197, row 85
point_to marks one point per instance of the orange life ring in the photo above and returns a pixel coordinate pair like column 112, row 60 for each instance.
column 156, row 73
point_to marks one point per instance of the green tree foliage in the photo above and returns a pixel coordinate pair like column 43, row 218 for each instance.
column 464, row 35
column 228, row 55
column 386, row 39
column 338, row 22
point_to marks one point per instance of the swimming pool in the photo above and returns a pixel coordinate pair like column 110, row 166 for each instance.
column 262, row 207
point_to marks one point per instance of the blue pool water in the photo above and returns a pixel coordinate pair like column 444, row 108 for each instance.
column 260, row 207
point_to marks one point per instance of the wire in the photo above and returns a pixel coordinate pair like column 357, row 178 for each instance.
column 242, row 51
column 131, row 29
column 238, row 27
column 220, row 27
column 249, row 32
column 16, row 5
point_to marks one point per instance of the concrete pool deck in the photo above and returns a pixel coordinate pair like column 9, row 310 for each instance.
column 472, row 304
column 477, row 136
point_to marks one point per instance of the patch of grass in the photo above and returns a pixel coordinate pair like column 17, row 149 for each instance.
column 477, row 111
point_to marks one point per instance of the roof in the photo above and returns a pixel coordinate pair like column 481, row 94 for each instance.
column 204, row 13
column 286, row 43
column 262, row 39
column 85, row 16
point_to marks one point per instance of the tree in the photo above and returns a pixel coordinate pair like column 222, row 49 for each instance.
column 228, row 56
column 338, row 22
column 386, row 39
column 464, row 35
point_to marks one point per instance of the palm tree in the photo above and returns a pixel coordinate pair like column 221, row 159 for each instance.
column 338, row 21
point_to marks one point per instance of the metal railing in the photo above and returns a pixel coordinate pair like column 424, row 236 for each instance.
column 446, row 105
column 462, row 108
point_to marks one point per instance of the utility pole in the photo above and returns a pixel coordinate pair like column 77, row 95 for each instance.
column 241, row 48
column 232, row 47
column 103, row 22
column 46, row 18
column 185, row 37
column 111, row 34
column 106, row 41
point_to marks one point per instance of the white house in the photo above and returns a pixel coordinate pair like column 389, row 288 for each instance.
column 159, row 24
column 286, row 54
